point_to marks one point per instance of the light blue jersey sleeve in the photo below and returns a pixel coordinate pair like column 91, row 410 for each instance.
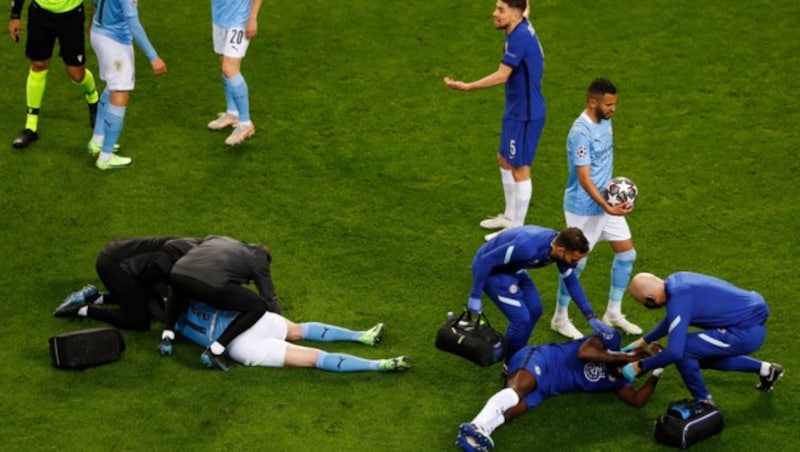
column 119, row 20
column 137, row 31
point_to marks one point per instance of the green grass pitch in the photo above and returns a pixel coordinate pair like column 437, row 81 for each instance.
column 367, row 178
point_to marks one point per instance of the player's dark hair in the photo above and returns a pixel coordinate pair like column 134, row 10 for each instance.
column 572, row 239
column 518, row 4
column 600, row 87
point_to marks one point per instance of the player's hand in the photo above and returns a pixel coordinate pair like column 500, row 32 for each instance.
column 456, row 84
column 475, row 305
column 251, row 29
column 655, row 348
column 15, row 29
column 629, row 372
column 159, row 66
column 621, row 209
column 600, row 327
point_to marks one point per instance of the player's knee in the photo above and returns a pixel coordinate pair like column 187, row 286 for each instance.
column 523, row 324
column 39, row 66
column 76, row 73
column 535, row 313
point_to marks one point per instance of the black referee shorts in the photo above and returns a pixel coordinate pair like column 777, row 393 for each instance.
column 44, row 27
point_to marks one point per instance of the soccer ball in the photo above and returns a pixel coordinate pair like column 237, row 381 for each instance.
column 621, row 190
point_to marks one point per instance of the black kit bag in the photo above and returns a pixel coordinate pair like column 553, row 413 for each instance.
column 687, row 422
column 473, row 339
column 86, row 348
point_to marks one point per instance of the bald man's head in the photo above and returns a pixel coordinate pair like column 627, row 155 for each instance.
column 648, row 289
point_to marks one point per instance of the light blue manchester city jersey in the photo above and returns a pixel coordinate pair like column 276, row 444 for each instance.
column 230, row 13
column 588, row 144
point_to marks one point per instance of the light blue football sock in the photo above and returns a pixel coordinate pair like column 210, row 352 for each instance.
column 621, row 270
column 321, row 332
column 241, row 96
column 114, row 118
column 341, row 362
column 563, row 294
column 102, row 106
column 230, row 105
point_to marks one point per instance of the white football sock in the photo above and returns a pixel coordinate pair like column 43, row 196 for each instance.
column 491, row 416
column 614, row 309
column 764, row 369
column 522, row 199
column 508, row 192
column 217, row 348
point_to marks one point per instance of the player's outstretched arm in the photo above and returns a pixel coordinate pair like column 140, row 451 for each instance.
column 497, row 77
column 639, row 397
column 594, row 350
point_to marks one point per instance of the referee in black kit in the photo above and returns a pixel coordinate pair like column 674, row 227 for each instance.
column 215, row 272
column 48, row 21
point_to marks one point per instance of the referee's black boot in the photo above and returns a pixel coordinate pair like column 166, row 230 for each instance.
column 24, row 139
column 212, row 360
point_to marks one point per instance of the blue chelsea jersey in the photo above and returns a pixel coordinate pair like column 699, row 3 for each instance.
column 523, row 53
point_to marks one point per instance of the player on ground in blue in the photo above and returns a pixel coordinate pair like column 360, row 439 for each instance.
column 267, row 342
column 234, row 23
column 732, row 323
column 539, row 372
column 499, row 269
column 216, row 272
column 521, row 70
column 590, row 156
column 115, row 25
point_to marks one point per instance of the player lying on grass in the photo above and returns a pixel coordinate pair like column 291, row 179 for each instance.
column 267, row 343
column 539, row 372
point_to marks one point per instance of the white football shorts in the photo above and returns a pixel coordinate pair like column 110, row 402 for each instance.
column 263, row 344
column 230, row 42
column 596, row 228
column 116, row 62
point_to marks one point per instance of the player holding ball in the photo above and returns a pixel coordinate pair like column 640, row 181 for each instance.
column 590, row 153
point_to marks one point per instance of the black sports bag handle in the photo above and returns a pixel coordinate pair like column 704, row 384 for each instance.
column 477, row 320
